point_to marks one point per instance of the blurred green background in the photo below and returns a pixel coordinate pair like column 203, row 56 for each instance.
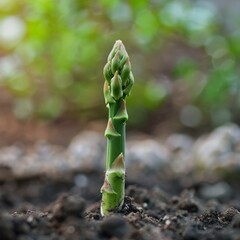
column 184, row 54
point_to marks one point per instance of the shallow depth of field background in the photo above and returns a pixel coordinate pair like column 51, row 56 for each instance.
column 184, row 54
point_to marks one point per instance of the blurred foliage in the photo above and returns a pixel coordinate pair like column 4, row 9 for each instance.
column 52, row 54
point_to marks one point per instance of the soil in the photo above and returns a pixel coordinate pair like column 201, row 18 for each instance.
column 157, row 206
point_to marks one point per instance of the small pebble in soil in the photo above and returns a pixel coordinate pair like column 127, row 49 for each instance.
column 114, row 226
column 147, row 153
column 219, row 150
column 220, row 191
column 32, row 221
column 180, row 146
column 179, row 143
column 87, row 150
column 81, row 180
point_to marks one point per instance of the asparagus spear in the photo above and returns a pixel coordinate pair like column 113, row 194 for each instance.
column 118, row 83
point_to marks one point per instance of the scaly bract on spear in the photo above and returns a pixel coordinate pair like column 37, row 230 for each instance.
column 118, row 83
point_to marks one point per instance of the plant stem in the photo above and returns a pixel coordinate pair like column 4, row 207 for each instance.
column 118, row 83
column 115, row 146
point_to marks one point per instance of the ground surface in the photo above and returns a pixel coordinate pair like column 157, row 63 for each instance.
column 167, row 198
column 159, row 207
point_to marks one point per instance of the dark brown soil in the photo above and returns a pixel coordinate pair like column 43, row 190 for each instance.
column 165, row 207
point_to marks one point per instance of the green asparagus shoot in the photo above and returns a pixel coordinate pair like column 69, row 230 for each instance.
column 118, row 83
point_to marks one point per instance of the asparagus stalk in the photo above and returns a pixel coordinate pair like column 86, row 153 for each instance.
column 118, row 83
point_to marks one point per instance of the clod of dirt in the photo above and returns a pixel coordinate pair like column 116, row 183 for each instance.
column 6, row 227
column 190, row 234
column 154, row 198
column 114, row 226
column 210, row 217
column 236, row 221
column 229, row 213
column 187, row 202
column 65, row 206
